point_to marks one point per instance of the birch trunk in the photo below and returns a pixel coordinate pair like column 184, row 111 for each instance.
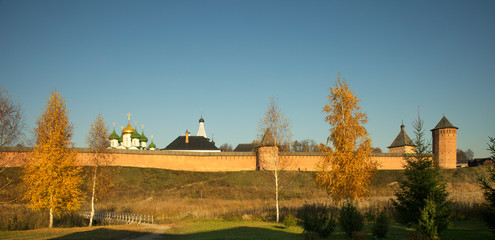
column 93, row 198
column 276, row 194
column 50, row 225
column 275, row 172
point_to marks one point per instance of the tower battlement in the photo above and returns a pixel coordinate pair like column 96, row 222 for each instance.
column 444, row 148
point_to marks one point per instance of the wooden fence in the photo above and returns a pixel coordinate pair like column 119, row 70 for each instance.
column 127, row 218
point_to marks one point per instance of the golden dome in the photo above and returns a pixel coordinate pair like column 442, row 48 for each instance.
column 128, row 129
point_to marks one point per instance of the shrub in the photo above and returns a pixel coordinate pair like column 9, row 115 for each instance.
column 380, row 228
column 350, row 219
column 311, row 236
column 488, row 208
column 316, row 218
column 415, row 235
column 360, row 235
column 70, row 220
column 21, row 218
column 426, row 224
column 290, row 221
column 370, row 216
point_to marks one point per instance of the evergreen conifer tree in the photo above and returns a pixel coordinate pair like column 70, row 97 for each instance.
column 488, row 209
column 422, row 181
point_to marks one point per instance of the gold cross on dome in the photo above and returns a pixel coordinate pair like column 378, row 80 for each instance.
column 129, row 116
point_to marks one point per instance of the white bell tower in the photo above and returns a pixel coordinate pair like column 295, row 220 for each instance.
column 201, row 129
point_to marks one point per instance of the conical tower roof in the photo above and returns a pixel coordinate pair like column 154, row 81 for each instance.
column 267, row 139
column 444, row 123
column 402, row 139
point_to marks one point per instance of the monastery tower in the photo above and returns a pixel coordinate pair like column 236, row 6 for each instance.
column 444, row 137
column 267, row 153
column 201, row 129
column 402, row 143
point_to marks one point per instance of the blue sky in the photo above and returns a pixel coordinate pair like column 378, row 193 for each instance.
column 166, row 61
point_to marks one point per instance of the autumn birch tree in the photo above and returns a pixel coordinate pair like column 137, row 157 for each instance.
column 276, row 126
column 347, row 168
column 52, row 179
column 98, row 143
column 11, row 125
column 10, row 120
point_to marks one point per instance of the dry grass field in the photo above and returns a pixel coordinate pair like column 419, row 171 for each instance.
column 182, row 196
column 173, row 195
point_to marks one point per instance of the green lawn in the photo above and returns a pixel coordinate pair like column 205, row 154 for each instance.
column 106, row 232
column 203, row 230
column 216, row 229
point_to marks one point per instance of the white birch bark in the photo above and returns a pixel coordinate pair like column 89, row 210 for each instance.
column 50, row 225
column 93, row 198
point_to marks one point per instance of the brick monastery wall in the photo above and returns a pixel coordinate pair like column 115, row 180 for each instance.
column 203, row 162
column 175, row 160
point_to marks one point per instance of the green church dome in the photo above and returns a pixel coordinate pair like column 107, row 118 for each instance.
column 143, row 138
column 152, row 145
column 135, row 134
column 114, row 135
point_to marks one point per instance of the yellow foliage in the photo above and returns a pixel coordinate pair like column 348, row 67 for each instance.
column 98, row 143
column 347, row 168
column 277, row 124
column 52, row 179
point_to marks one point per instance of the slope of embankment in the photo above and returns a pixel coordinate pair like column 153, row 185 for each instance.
column 172, row 195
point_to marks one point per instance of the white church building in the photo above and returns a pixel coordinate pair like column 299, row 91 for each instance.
column 130, row 138
column 198, row 143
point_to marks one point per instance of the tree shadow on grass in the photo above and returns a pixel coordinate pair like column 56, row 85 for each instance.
column 467, row 230
column 232, row 233
column 237, row 233
column 103, row 233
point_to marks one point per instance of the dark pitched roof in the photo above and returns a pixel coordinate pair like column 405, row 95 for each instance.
column 245, row 147
column 402, row 139
column 267, row 139
column 444, row 123
column 195, row 143
column 480, row 162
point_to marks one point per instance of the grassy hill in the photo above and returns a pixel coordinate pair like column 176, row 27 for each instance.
column 250, row 194
column 173, row 195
